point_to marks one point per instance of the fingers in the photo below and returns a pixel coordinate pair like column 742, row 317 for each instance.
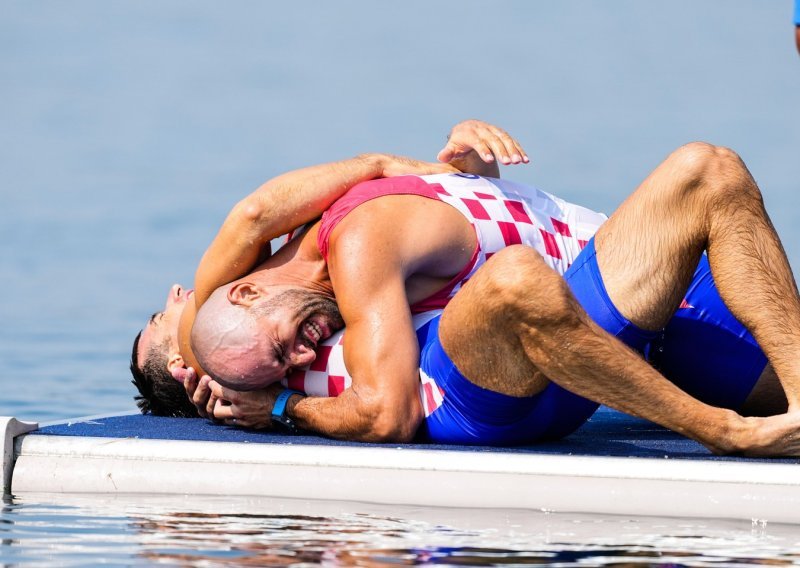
column 505, row 147
column 486, row 150
column 454, row 150
column 224, row 412
column 211, row 405
column 446, row 154
column 190, row 382
column 197, row 391
column 244, row 410
column 221, row 392
column 489, row 142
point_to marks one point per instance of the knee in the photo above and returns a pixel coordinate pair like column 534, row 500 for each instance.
column 523, row 288
column 714, row 172
column 702, row 158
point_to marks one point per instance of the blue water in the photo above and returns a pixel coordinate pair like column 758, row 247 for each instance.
column 128, row 129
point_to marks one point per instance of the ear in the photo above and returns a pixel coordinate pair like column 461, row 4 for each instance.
column 176, row 367
column 243, row 294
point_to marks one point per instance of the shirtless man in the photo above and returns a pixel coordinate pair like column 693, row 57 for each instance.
column 518, row 309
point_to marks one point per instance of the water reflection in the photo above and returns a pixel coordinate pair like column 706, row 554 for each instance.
column 185, row 531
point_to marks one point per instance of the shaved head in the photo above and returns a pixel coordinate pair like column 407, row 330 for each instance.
column 227, row 341
column 247, row 347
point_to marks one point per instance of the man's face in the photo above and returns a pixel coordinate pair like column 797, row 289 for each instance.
column 163, row 326
column 291, row 323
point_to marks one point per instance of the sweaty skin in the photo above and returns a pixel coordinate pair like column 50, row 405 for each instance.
column 374, row 296
column 286, row 202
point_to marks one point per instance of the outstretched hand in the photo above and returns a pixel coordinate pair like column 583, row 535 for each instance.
column 489, row 142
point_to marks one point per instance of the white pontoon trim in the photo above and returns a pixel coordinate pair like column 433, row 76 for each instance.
column 410, row 476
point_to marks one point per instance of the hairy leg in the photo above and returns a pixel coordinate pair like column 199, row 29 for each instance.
column 515, row 325
column 702, row 197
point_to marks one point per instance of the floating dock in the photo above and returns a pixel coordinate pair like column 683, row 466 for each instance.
column 614, row 464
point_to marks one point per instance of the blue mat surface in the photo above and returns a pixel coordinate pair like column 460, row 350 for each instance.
column 608, row 433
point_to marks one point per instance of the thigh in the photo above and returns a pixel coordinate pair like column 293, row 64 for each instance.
column 587, row 285
column 480, row 327
column 648, row 248
column 457, row 411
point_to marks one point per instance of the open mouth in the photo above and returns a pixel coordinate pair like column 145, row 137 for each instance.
column 313, row 332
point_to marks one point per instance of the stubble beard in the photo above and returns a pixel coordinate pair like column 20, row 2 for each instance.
column 306, row 304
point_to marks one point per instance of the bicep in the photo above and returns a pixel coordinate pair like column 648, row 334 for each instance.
column 381, row 349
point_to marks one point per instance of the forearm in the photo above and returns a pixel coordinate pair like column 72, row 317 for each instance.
column 589, row 362
column 274, row 209
column 294, row 198
column 346, row 417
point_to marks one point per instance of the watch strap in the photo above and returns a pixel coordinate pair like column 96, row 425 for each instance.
column 279, row 417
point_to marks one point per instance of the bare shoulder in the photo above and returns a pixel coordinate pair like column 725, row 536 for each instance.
column 422, row 235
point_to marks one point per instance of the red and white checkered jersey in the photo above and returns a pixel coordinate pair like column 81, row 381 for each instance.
column 327, row 375
column 503, row 213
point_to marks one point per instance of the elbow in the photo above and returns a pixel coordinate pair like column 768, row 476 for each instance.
column 392, row 433
column 249, row 210
column 249, row 218
column 394, row 424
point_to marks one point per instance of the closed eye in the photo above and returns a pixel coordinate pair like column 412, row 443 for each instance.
column 280, row 354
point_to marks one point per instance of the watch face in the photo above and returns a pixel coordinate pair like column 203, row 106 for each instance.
column 284, row 423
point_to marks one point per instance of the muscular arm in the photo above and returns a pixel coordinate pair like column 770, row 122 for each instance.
column 471, row 147
column 381, row 352
column 369, row 267
column 277, row 207
column 292, row 199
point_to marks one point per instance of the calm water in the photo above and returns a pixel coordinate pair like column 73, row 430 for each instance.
column 80, row 530
column 127, row 130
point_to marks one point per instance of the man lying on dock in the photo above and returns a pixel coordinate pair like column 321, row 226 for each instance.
column 514, row 342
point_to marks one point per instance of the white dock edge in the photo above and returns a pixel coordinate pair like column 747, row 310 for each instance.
column 10, row 428
column 628, row 486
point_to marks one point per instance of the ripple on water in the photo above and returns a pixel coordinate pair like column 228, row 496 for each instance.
column 273, row 533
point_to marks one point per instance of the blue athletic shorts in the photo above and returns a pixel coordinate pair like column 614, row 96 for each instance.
column 472, row 415
column 703, row 349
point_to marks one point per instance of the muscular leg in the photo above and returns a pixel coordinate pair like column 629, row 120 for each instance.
column 703, row 197
column 515, row 325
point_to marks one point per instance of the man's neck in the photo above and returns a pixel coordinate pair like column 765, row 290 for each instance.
column 299, row 263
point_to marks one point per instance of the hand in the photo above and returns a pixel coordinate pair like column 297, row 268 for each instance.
column 402, row 166
column 198, row 391
column 489, row 143
column 250, row 409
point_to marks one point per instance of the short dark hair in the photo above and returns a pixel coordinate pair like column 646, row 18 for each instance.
column 159, row 394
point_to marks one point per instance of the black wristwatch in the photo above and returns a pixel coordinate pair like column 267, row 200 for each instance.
column 279, row 417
